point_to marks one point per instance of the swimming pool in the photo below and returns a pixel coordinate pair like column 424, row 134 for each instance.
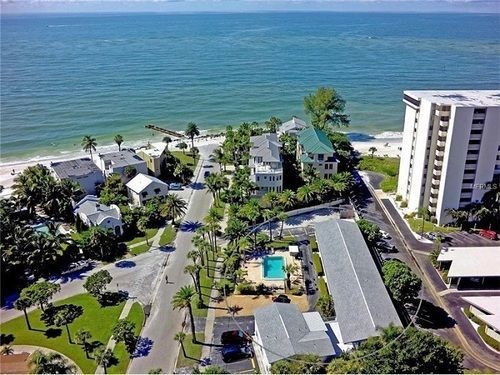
column 272, row 268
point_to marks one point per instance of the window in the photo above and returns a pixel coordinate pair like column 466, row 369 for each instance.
column 478, row 122
column 476, row 131
column 480, row 110
column 464, row 191
column 473, row 152
column 471, row 162
column 475, row 142
column 321, row 157
column 144, row 194
column 467, row 181
column 258, row 178
column 157, row 191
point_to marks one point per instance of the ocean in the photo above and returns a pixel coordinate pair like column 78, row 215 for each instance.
column 66, row 76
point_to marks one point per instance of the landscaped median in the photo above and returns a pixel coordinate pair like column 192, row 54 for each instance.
column 98, row 320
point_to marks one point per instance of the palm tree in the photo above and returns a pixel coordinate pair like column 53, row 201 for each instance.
column 22, row 304
column 372, row 150
column 309, row 174
column 282, row 216
column 182, row 146
column 235, row 229
column 290, row 269
column 192, row 131
column 82, row 338
column 287, row 199
column 211, row 183
column 119, row 141
column 269, row 215
column 194, row 272
column 424, row 213
column 251, row 211
column 49, row 363
column 167, row 140
column 182, row 300
column 306, row 194
column 219, row 157
column 89, row 143
column 194, row 151
column 180, row 337
column 103, row 357
column 173, row 207
column 142, row 225
column 6, row 350
column 270, row 199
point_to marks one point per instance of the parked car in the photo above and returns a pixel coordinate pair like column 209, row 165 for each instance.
column 206, row 174
column 282, row 298
column 231, row 353
column 175, row 186
column 236, row 337
column 490, row 234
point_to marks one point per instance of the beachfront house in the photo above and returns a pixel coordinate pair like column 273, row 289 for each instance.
column 93, row 213
column 154, row 156
column 81, row 171
column 315, row 149
column 282, row 331
column 143, row 187
column 292, row 127
column 362, row 304
column 266, row 167
column 126, row 163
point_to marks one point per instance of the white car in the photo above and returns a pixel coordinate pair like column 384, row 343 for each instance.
column 385, row 235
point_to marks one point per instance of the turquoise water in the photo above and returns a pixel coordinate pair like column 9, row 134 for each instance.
column 272, row 267
column 65, row 76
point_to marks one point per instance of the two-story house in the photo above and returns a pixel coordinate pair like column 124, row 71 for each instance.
column 126, row 163
column 143, row 188
column 315, row 149
column 266, row 167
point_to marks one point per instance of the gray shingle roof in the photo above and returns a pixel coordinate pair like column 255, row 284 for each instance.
column 266, row 146
column 284, row 332
column 95, row 211
column 121, row 158
column 362, row 303
column 75, row 168
column 295, row 124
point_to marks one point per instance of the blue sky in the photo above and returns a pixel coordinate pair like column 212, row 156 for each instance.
column 80, row 6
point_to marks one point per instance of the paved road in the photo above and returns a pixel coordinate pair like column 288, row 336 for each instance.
column 164, row 322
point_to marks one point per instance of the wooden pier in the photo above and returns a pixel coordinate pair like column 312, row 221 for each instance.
column 164, row 131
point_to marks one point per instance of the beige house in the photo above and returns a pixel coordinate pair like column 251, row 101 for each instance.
column 315, row 149
column 154, row 157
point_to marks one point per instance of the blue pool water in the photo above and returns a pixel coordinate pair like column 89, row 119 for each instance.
column 272, row 267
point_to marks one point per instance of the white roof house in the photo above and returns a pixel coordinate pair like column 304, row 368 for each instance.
column 292, row 127
column 144, row 187
column 472, row 261
column 266, row 168
column 93, row 213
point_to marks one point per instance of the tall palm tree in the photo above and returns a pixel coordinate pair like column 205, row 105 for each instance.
column 270, row 199
column 192, row 131
column 269, row 215
column 49, row 363
column 219, row 157
column 211, row 184
column 173, row 207
column 425, row 214
column 89, row 144
column 194, row 152
column 309, row 174
column 180, row 337
column 103, row 357
column 290, row 269
column 23, row 304
column 182, row 146
column 282, row 216
column 142, row 225
column 182, row 300
column 119, row 141
column 287, row 199
column 251, row 211
column 194, row 271
column 167, row 140
column 235, row 229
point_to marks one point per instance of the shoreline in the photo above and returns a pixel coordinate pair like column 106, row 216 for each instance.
column 386, row 143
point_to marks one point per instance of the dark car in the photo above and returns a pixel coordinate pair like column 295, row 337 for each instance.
column 231, row 353
column 206, row 174
column 236, row 337
column 282, row 298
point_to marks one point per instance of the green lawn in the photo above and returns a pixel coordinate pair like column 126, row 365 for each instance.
column 136, row 250
column 318, row 266
column 167, row 236
column 136, row 315
column 323, row 288
column 186, row 158
column 151, row 232
column 283, row 242
column 206, row 289
column 98, row 320
column 313, row 243
column 389, row 167
column 416, row 226
column 193, row 351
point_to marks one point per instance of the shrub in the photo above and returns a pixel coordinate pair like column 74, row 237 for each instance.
column 323, row 288
column 398, row 198
column 245, row 288
column 297, row 292
column 318, row 266
column 404, row 204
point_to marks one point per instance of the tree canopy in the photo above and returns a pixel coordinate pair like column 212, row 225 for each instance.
column 403, row 283
column 97, row 282
column 326, row 108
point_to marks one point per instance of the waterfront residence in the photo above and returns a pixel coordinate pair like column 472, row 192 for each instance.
column 154, row 156
column 471, row 267
column 93, row 213
column 81, row 171
column 362, row 304
column 487, row 310
column 282, row 331
column 143, row 187
column 315, row 149
column 292, row 127
column 266, row 167
column 451, row 149
column 126, row 163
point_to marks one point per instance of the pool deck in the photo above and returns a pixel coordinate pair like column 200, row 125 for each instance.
column 255, row 274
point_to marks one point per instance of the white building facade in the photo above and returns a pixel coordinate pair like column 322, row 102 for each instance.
column 266, row 167
column 143, row 188
column 451, row 149
column 93, row 213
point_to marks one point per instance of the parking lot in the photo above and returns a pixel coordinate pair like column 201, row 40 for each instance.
column 464, row 239
column 228, row 324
